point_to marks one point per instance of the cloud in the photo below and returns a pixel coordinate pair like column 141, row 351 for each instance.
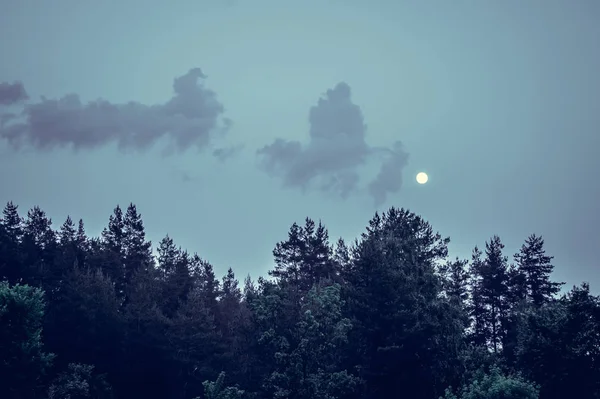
column 389, row 178
column 12, row 93
column 188, row 119
column 227, row 152
column 335, row 152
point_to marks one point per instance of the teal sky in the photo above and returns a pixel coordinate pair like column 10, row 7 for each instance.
column 498, row 101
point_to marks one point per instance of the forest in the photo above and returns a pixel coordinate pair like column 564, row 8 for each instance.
column 389, row 315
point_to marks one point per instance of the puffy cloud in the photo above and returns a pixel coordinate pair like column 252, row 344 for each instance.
column 188, row 118
column 335, row 152
column 12, row 93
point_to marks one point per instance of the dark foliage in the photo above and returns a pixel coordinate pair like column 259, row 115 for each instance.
column 389, row 315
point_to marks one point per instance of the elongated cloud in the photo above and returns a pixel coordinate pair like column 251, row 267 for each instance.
column 335, row 151
column 189, row 119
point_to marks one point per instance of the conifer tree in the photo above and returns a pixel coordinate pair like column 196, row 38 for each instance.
column 39, row 247
column 305, row 258
column 113, row 236
column 456, row 278
column 81, row 236
column 11, row 237
column 319, row 259
column 82, row 243
column 406, row 335
column 67, row 239
column 110, row 256
column 250, row 291
column 138, row 251
column 494, row 291
column 536, row 267
column 289, row 256
column 341, row 256
column 12, row 222
column 479, row 332
column 67, row 234
column 173, row 264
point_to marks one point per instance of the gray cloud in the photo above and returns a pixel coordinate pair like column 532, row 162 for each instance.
column 12, row 93
column 188, row 118
column 225, row 153
column 389, row 178
column 335, row 152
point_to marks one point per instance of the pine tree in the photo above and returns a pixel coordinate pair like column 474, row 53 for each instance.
column 39, row 247
column 114, row 235
column 67, row 239
column 305, row 258
column 82, row 244
column 289, row 256
column 250, row 291
column 230, row 290
column 208, row 285
column 11, row 237
column 110, row 256
column 319, row 259
column 81, row 236
column 67, row 234
column 494, row 291
column 12, row 222
column 173, row 264
column 536, row 267
column 477, row 309
column 406, row 335
column 229, row 304
column 456, row 278
column 38, row 229
column 138, row 251
column 168, row 255
column 341, row 256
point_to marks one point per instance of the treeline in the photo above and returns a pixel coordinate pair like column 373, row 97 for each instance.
column 389, row 315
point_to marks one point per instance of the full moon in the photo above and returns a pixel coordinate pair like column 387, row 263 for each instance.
column 422, row 177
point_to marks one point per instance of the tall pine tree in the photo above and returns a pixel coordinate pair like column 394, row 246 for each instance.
column 536, row 267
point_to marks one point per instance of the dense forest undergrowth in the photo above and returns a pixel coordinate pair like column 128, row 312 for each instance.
column 389, row 315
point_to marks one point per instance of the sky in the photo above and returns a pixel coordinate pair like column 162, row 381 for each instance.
column 227, row 121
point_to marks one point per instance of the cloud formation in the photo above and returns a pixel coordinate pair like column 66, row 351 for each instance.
column 336, row 150
column 187, row 119
column 12, row 93
column 223, row 154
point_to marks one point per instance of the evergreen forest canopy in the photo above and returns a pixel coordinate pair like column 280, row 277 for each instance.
column 387, row 316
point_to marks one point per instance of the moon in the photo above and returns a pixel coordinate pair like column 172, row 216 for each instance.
column 422, row 177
